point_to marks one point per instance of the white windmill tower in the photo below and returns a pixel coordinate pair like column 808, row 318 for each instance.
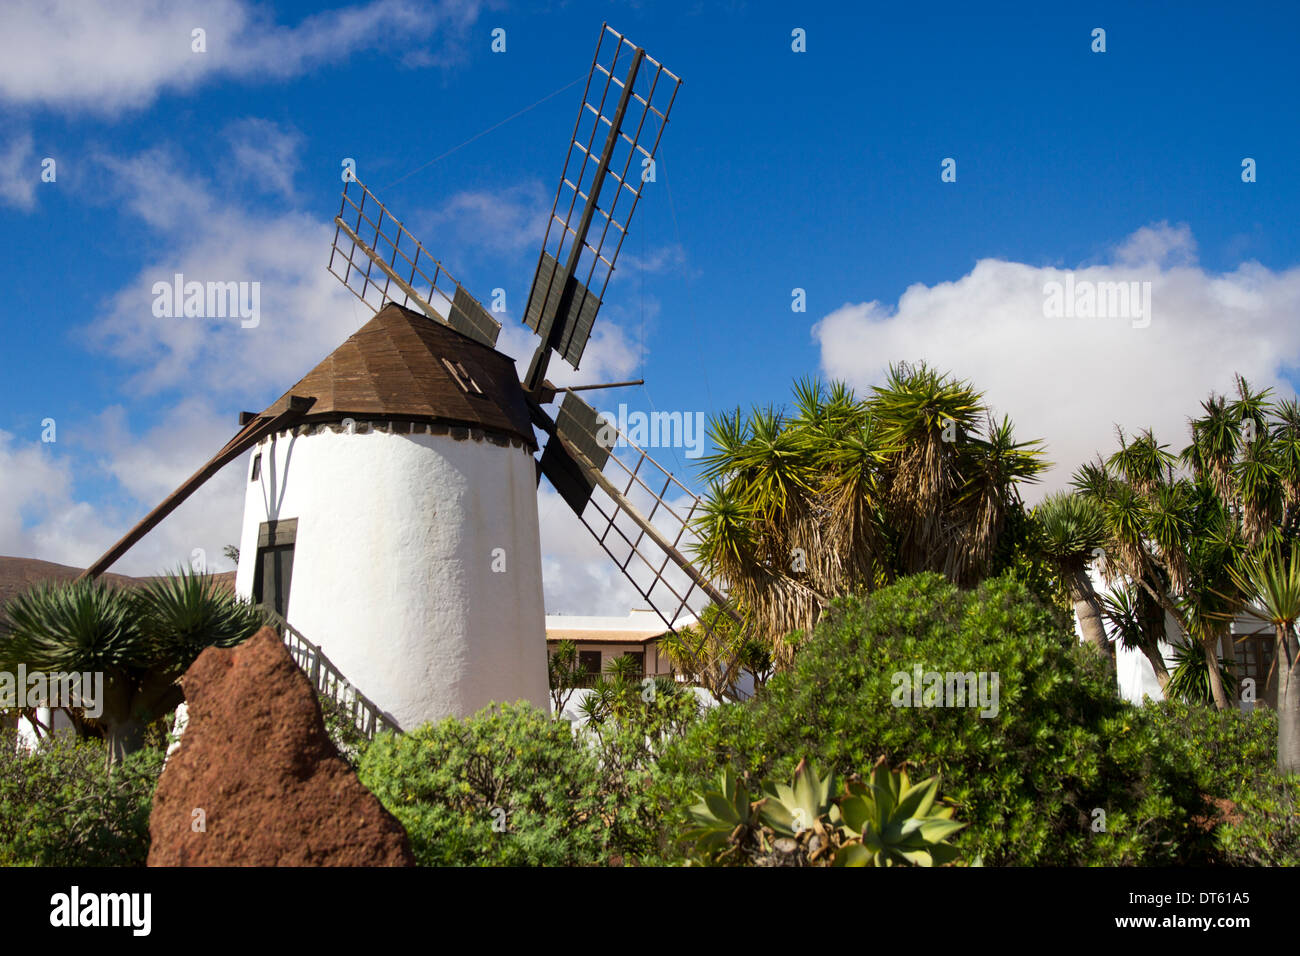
column 391, row 510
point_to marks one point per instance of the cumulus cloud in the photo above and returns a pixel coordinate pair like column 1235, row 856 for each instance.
column 1070, row 379
column 303, row 312
column 105, row 56
column 264, row 155
column 44, row 514
column 39, row 515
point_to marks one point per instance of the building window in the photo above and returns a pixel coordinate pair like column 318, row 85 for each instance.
column 639, row 657
column 590, row 662
column 1253, row 655
column 257, row 467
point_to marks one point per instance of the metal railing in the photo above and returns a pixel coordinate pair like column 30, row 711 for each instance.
column 328, row 681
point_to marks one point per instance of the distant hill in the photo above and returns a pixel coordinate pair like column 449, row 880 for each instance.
column 19, row 574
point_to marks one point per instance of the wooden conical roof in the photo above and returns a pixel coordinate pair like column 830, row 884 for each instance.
column 393, row 368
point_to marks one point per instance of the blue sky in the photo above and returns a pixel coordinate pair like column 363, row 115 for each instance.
column 817, row 170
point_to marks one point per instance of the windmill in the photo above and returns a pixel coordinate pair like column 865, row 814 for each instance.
column 395, row 485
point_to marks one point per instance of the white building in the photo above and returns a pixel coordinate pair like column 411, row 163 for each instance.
column 602, row 639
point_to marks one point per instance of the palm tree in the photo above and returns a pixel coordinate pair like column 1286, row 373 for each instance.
column 1177, row 525
column 141, row 641
column 1190, row 680
column 841, row 494
column 564, row 672
column 925, row 418
column 1272, row 581
column 1074, row 531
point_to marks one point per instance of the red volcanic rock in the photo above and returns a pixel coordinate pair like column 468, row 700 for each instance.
column 271, row 787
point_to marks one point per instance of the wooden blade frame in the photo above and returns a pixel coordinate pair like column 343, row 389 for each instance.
column 640, row 542
column 573, row 271
column 379, row 261
column 248, row 436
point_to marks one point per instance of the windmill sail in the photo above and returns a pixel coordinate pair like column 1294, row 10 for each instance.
column 639, row 513
column 611, row 156
column 379, row 261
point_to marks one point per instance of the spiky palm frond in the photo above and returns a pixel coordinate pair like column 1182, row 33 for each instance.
column 725, row 532
column 924, row 417
column 78, row 626
column 1093, row 480
column 1123, row 612
column 1126, row 521
column 1257, row 481
column 1251, row 405
column 1216, row 438
column 1190, row 678
column 1168, row 526
column 992, row 467
column 1073, row 527
column 181, row 614
column 1143, row 462
column 1270, row 580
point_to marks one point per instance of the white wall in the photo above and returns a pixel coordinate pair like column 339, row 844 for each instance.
column 392, row 570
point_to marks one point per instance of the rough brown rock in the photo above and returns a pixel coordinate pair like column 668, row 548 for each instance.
column 256, row 759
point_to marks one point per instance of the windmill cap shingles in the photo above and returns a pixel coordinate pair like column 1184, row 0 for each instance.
column 392, row 368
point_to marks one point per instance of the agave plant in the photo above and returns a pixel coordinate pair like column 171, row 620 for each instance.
column 890, row 821
column 791, row 809
column 723, row 820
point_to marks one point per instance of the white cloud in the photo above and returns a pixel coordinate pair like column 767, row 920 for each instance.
column 105, row 56
column 1069, row 380
column 304, row 312
column 505, row 221
column 1159, row 244
column 42, row 514
column 264, row 154
column 19, row 172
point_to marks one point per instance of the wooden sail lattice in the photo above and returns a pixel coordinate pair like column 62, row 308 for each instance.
column 379, row 261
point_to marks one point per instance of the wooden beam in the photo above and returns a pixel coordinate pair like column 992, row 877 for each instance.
column 246, row 438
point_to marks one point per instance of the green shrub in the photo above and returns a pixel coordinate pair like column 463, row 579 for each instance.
column 1263, row 829
column 512, row 786
column 1231, row 757
column 1030, row 780
column 60, row 805
column 508, row 786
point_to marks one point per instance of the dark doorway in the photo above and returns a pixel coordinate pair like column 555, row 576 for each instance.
column 274, row 569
